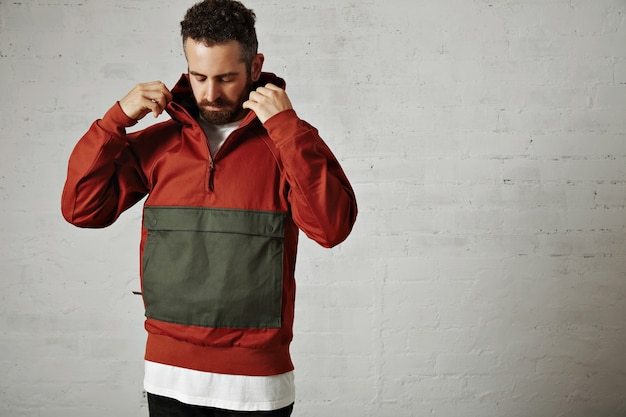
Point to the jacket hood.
(183, 107)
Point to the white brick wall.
(486, 141)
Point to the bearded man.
(231, 178)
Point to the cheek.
(236, 93)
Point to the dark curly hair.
(218, 21)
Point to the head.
(220, 45)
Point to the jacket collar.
(183, 107)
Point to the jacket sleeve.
(322, 201)
(103, 176)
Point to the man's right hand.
(146, 98)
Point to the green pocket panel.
(213, 267)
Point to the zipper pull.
(211, 172)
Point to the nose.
(213, 91)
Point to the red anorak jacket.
(219, 232)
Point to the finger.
(257, 96)
(165, 92)
(155, 108)
(263, 93)
(273, 87)
(154, 87)
(268, 91)
(249, 104)
(159, 99)
(155, 105)
(157, 92)
(168, 95)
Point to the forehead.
(215, 59)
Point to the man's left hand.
(268, 101)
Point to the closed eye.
(221, 78)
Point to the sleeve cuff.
(115, 119)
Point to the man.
(230, 180)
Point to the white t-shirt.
(217, 134)
(228, 392)
(208, 389)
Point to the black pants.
(169, 407)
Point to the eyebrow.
(226, 74)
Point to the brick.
(619, 72)
(467, 364)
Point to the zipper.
(247, 120)
(211, 171)
(212, 162)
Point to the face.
(221, 81)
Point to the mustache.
(218, 103)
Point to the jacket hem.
(223, 360)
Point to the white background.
(485, 140)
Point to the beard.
(230, 111)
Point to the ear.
(257, 66)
